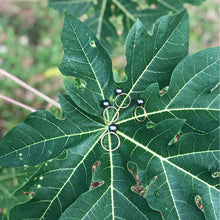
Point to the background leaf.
(105, 15)
(74, 7)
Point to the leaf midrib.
(54, 138)
(93, 71)
(169, 111)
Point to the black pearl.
(113, 128)
(140, 101)
(105, 103)
(118, 91)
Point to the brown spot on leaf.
(198, 201)
(94, 167)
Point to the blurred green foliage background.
(31, 49)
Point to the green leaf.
(42, 137)
(101, 25)
(104, 15)
(75, 7)
(11, 179)
(174, 5)
(179, 175)
(153, 58)
(193, 93)
(84, 54)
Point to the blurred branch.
(17, 103)
(26, 86)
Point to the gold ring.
(110, 107)
(126, 96)
(119, 142)
(135, 113)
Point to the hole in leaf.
(216, 174)
(99, 183)
(150, 124)
(92, 43)
(198, 201)
(29, 194)
(138, 187)
(163, 91)
(153, 6)
(76, 82)
(176, 138)
(119, 75)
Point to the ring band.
(135, 113)
(110, 107)
(126, 96)
(119, 142)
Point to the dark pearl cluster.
(105, 103)
(140, 101)
(113, 128)
(118, 91)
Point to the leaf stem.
(17, 103)
(101, 19)
(26, 86)
(124, 10)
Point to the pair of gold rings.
(107, 106)
(112, 127)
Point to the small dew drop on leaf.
(40, 178)
(92, 43)
(20, 155)
(38, 186)
(216, 174)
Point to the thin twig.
(26, 86)
(17, 103)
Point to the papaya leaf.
(174, 152)
(83, 53)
